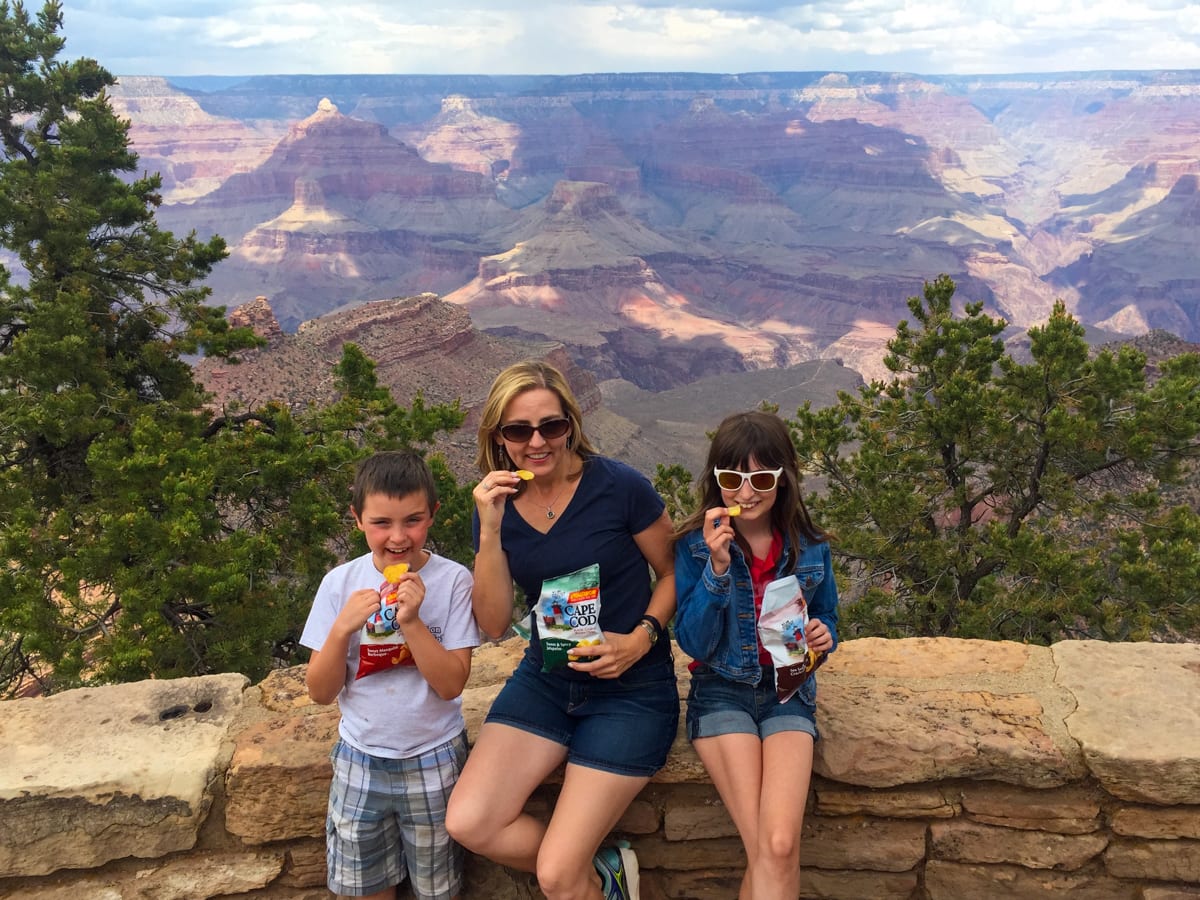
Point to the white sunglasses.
(762, 481)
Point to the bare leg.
(734, 763)
(588, 807)
(486, 810)
(786, 773)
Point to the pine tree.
(143, 533)
(974, 495)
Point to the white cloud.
(167, 37)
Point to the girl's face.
(538, 454)
(756, 505)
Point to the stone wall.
(947, 770)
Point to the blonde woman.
(610, 713)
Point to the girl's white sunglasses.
(762, 481)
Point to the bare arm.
(326, 673)
(492, 595)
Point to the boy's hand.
(360, 606)
(410, 594)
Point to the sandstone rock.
(258, 316)
(896, 803)
(1156, 822)
(971, 842)
(698, 821)
(131, 775)
(908, 711)
(184, 877)
(1172, 860)
(858, 842)
(1069, 810)
(825, 884)
(278, 779)
(958, 881)
(1136, 755)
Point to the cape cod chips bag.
(568, 615)
(781, 630)
(381, 645)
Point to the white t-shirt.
(394, 713)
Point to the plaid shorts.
(387, 818)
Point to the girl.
(758, 751)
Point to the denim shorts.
(719, 706)
(621, 725)
(387, 818)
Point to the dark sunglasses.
(762, 481)
(519, 432)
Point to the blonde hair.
(517, 379)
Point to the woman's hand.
(718, 534)
(614, 656)
(491, 494)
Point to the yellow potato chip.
(393, 573)
(524, 474)
(735, 510)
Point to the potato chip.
(393, 573)
(735, 510)
(524, 474)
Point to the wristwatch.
(650, 630)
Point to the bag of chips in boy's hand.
(567, 615)
(781, 630)
(381, 645)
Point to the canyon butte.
(668, 228)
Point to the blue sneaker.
(618, 868)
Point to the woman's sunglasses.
(519, 432)
(762, 481)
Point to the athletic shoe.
(618, 868)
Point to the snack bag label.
(781, 630)
(568, 615)
(381, 644)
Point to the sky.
(537, 37)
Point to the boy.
(402, 738)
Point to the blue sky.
(219, 37)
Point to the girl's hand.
(491, 494)
(718, 533)
(817, 634)
(611, 658)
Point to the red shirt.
(762, 573)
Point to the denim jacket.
(715, 621)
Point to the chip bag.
(381, 645)
(781, 630)
(568, 615)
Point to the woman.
(611, 711)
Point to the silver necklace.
(550, 508)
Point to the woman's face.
(756, 505)
(538, 454)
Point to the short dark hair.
(393, 473)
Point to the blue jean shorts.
(387, 818)
(622, 725)
(719, 706)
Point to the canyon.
(668, 227)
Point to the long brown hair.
(765, 437)
(517, 379)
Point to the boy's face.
(395, 528)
